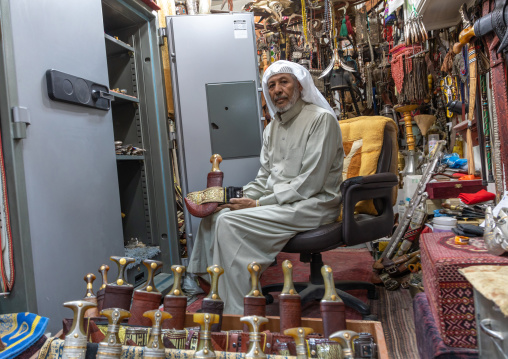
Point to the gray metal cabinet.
(216, 93)
(66, 187)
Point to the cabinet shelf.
(129, 157)
(121, 98)
(115, 47)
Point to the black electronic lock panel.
(69, 88)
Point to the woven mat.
(395, 311)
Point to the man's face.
(283, 89)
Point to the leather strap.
(498, 71)
(235, 342)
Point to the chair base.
(309, 292)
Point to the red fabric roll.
(480, 196)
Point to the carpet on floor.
(395, 311)
(346, 263)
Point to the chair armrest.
(367, 228)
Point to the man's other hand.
(240, 203)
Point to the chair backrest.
(370, 147)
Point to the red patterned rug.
(347, 263)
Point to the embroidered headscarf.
(310, 93)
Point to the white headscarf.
(310, 93)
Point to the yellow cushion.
(362, 138)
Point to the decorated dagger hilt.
(290, 305)
(89, 279)
(299, 334)
(215, 272)
(154, 349)
(76, 338)
(90, 296)
(175, 302)
(204, 348)
(332, 307)
(213, 303)
(254, 303)
(215, 160)
(111, 346)
(345, 339)
(254, 323)
(255, 272)
(103, 270)
(122, 263)
(119, 293)
(178, 272)
(151, 266)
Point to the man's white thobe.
(298, 190)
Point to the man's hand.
(239, 203)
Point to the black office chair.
(352, 230)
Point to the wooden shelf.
(130, 157)
(116, 47)
(121, 98)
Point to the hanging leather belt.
(498, 69)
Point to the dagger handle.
(204, 348)
(122, 263)
(151, 266)
(255, 272)
(215, 272)
(215, 160)
(115, 317)
(76, 338)
(330, 291)
(89, 279)
(299, 335)
(345, 339)
(103, 270)
(157, 317)
(178, 272)
(254, 323)
(287, 269)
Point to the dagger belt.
(219, 195)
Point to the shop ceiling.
(438, 14)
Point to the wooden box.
(452, 189)
(232, 322)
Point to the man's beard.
(291, 103)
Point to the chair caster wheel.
(269, 298)
(370, 317)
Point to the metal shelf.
(130, 157)
(115, 47)
(121, 98)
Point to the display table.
(450, 294)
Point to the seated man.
(296, 188)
